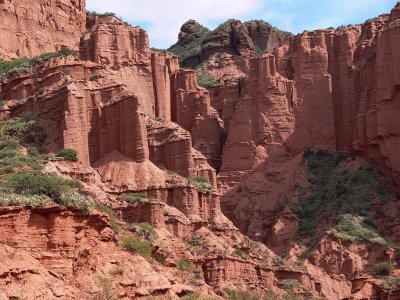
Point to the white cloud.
(164, 17)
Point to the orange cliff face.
(141, 124)
(321, 89)
(31, 28)
(115, 108)
(359, 71)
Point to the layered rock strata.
(31, 28)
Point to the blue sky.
(163, 18)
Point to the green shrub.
(200, 180)
(95, 76)
(144, 229)
(22, 130)
(76, 200)
(351, 228)
(40, 184)
(36, 188)
(335, 189)
(159, 50)
(201, 184)
(383, 268)
(197, 296)
(108, 14)
(205, 80)
(137, 246)
(113, 217)
(160, 119)
(18, 132)
(6, 66)
(133, 197)
(259, 51)
(244, 295)
(289, 284)
(106, 284)
(68, 154)
(239, 253)
(391, 283)
(23, 65)
(184, 265)
(278, 261)
(40, 90)
(196, 240)
(12, 199)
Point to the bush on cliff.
(383, 268)
(249, 295)
(12, 199)
(205, 80)
(335, 189)
(196, 296)
(391, 283)
(20, 141)
(38, 188)
(352, 228)
(133, 197)
(184, 265)
(68, 154)
(201, 183)
(144, 229)
(51, 185)
(136, 245)
(22, 65)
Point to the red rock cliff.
(31, 28)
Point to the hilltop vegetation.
(343, 192)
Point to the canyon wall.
(357, 75)
(334, 89)
(141, 124)
(31, 28)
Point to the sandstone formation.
(325, 105)
(125, 142)
(31, 28)
(208, 178)
(265, 37)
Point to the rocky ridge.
(162, 156)
(197, 43)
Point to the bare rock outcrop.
(355, 86)
(144, 128)
(31, 28)
(266, 37)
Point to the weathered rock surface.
(53, 253)
(141, 124)
(361, 90)
(264, 36)
(197, 44)
(331, 95)
(191, 31)
(31, 28)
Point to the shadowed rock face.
(196, 43)
(141, 124)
